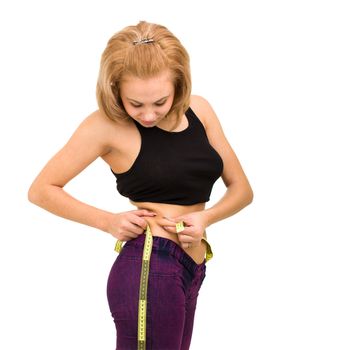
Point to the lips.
(148, 123)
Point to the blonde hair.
(127, 52)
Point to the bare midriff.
(197, 253)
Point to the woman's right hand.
(128, 225)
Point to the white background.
(277, 74)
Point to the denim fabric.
(174, 283)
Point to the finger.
(166, 222)
(131, 235)
(179, 219)
(188, 230)
(179, 226)
(183, 221)
(144, 212)
(126, 236)
(185, 239)
(135, 229)
(170, 229)
(179, 230)
(189, 244)
(186, 245)
(139, 221)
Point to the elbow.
(41, 194)
(247, 195)
(250, 196)
(247, 198)
(33, 194)
(37, 194)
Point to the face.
(149, 100)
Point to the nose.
(150, 116)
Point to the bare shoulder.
(233, 172)
(101, 130)
(98, 124)
(91, 139)
(204, 111)
(199, 101)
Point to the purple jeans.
(174, 283)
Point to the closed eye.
(160, 103)
(135, 106)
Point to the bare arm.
(87, 143)
(239, 192)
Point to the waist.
(172, 211)
(169, 209)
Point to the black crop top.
(172, 167)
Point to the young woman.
(166, 149)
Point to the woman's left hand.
(194, 228)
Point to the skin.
(148, 102)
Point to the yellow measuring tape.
(142, 317)
(142, 309)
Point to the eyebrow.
(132, 100)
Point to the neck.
(170, 122)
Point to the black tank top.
(172, 167)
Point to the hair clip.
(143, 41)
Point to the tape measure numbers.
(179, 227)
(142, 316)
